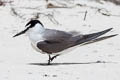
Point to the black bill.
(22, 32)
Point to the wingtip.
(109, 29)
(105, 31)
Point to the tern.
(52, 41)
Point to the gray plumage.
(57, 41)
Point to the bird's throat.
(35, 34)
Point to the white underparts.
(35, 35)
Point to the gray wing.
(88, 37)
(59, 43)
(49, 46)
(55, 41)
(55, 35)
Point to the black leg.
(49, 60)
(54, 57)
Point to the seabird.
(52, 41)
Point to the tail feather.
(99, 39)
(89, 37)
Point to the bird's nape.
(33, 22)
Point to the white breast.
(35, 35)
(34, 38)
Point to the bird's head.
(33, 24)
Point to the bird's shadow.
(66, 63)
